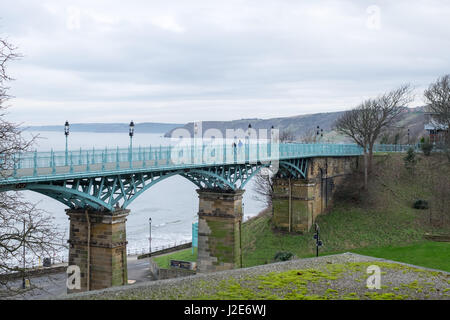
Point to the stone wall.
(219, 230)
(292, 204)
(297, 202)
(108, 258)
(174, 273)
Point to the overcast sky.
(179, 61)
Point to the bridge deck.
(45, 166)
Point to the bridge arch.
(294, 168)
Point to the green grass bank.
(379, 222)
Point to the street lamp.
(248, 141)
(131, 133)
(319, 242)
(195, 129)
(66, 133)
(150, 238)
(194, 151)
(270, 141)
(319, 131)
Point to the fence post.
(18, 162)
(257, 150)
(71, 163)
(14, 165)
(143, 159)
(35, 163)
(53, 162)
(130, 155)
(224, 151)
(117, 158)
(169, 153)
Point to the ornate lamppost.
(66, 133)
(319, 131)
(131, 133)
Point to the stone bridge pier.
(297, 202)
(97, 245)
(219, 230)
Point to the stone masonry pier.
(97, 245)
(297, 202)
(219, 230)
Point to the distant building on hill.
(436, 131)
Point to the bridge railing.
(396, 147)
(318, 149)
(191, 154)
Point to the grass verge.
(428, 254)
(184, 255)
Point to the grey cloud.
(296, 53)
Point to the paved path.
(52, 285)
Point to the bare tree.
(309, 137)
(263, 183)
(365, 123)
(263, 187)
(287, 136)
(25, 232)
(438, 98)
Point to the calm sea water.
(172, 203)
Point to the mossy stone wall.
(219, 235)
(108, 256)
(297, 202)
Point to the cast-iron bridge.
(112, 178)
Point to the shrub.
(426, 146)
(410, 159)
(421, 204)
(283, 256)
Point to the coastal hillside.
(380, 221)
(304, 126)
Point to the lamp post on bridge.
(66, 133)
(248, 141)
(194, 151)
(131, 133)
(271, 140)
(319, 131)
